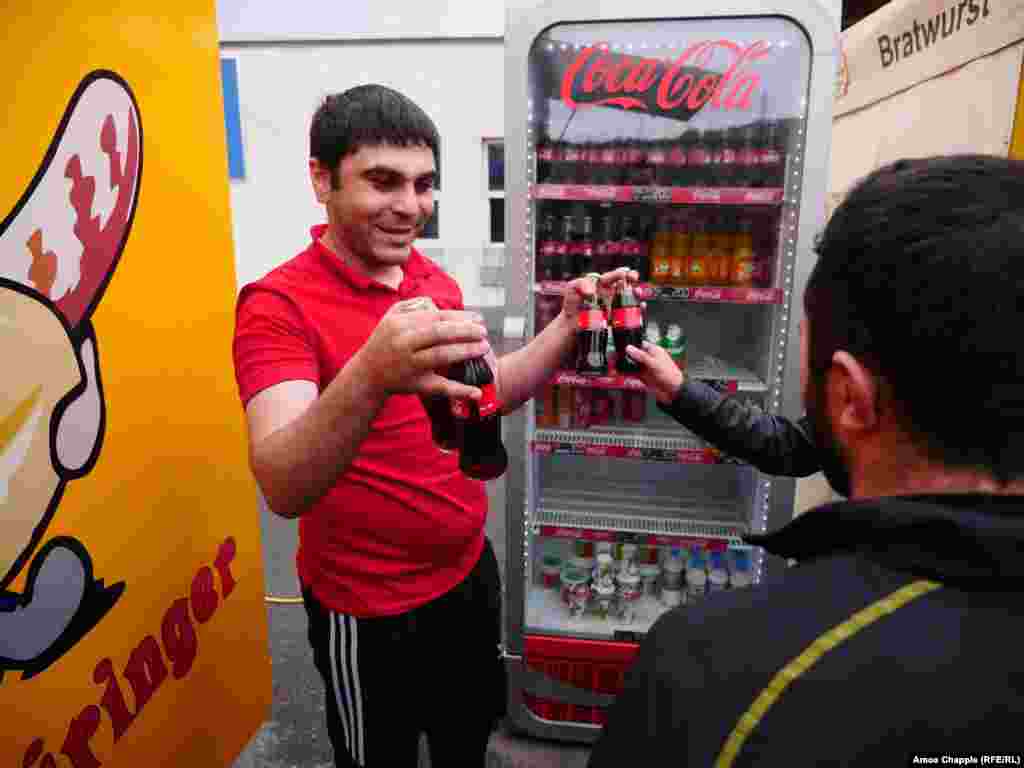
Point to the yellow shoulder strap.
(809, 657)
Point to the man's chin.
(393, 254)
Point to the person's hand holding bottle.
(658, 371)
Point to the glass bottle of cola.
(627, 327)
(546, 250)
(482, 455)
(592, 335)
(442, 422)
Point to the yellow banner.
(132, 625)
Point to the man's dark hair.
(920, 276)
(367, 115)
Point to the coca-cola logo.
(679, 88)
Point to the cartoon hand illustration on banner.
(59, 248)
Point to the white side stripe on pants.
(354, 667)
(348, 696)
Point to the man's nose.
(406, 201)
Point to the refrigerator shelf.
(666, 531)
(627, 445)
(696, 294)
(718, 373)
(545, 611)
(597, 193)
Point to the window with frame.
(492, 270)
(494, 158)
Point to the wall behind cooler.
(457, 81)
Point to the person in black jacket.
(774, 444)
(895, 640)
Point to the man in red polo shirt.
(401, 586)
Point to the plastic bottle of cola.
(482, 455)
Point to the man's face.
(384, 197)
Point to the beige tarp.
(920, 78)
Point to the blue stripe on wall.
(232, 118)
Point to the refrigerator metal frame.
(525, 21)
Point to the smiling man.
(401, 586)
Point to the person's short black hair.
(920, 276)
(367, 115)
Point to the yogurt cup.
(629, 554)
(718, 580)
(629, 595)
(604, 592)
(696, 583)
(671, 596)
(551, 571)
(649, 577)
(571, 577)
(672, 572)
(579, 596)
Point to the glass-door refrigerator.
(689, 143)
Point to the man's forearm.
(526, 370)
(773, 444)
(300, 462)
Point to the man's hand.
(408, 346)
(581, 287)
(659, 371)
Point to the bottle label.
(608, 156)
(769, 157)
(729, 156)
(627, 317)
(662, 268)
(591, 320)
(634, 156)
(698, 156)
(632, 248)
(677, 157)
(656, 158)
(743, 271)
(697, 268)
(546, 153)
(461, 407)
(547, 248)
(571, 155)
(560, 248)
(489, 403)
(747, 156)
(613, 248)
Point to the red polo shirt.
(402, 525)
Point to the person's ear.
(320, 176)
(852, 398)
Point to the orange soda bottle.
(679, 252)
(721, 247)
(743, 255)
(661, 267)
(699, 252)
